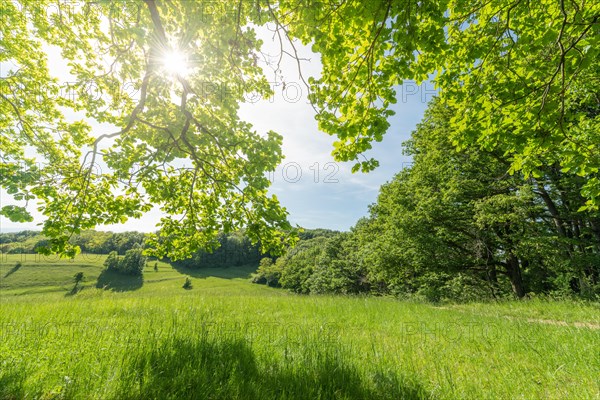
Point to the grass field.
(226, 338)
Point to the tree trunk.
(552, 209)
(513, 268)
(492, 279)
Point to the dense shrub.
(321, 264)
(112, 262)
(268, 273)
(343, 262)
(132, 263)
(79, 276)
(298, 264)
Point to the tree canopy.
(521, 77)
(458, 213)
(175, 145)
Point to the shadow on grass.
(76, 289)
(12, 382)
(13, 270)
(111, 280)
(228, 369)
(217, 272)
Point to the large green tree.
(460, 214)
(176, 140)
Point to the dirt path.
(562, 323)
(576, 324)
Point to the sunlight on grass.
(227, 338)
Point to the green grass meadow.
(226, 338)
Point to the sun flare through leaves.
(176, 63)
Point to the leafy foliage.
(521, 76)
(187, 285)
(112, 262)
(228, 250)
(321, 264)
(174, 144)
(460, 215)
(132, 263)
(90, 242)
(267, 273)
(78, 277)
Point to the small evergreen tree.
(188, 284)
(78, 277)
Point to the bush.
(339, 268)
(459, 287)
(132, 263)
(268, 273)
(323, 264)
(298, 264)
(226, 250)
(188, 284)
(334, 277)
(112, 262)
(76, 288)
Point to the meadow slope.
(229, 339)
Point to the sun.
(176, 63)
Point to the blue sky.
(334, 198)
(316, 190)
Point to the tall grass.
(229, 339)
